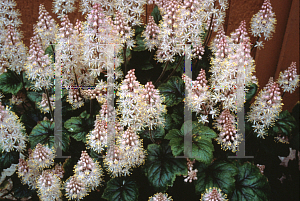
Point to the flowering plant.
(81, 119)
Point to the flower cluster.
(232, 68)
(14, 51)
(97, 138)
(17, 99)
(261, 168)
(228, 137)
(186, 22)
(9, 16)
(289, 80)
(88, 175)
(139, 106)
(12, 131)
(154, 107)
(197, 98)
(132, 10)
(46, 28)
(151, 34)
(69, 54)
(160, 197)
(28, 172)
(124, 29)
(98, 93)
(31, 172)
(102, 42)
(213, 194)
(266, 108)
(74, 98)
(192, 174)
(88, 171)
(167, 36)
(49, 186)
(130, 105)
(75, 188)
(62, 7)
(127, 154)
(43, 156)
(264, 21)
(39, 68)
(87, 5)
(44, 106)
(58, 170)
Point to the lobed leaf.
(218, 174)
(161, 167)
(250, 184)
(173, 91)
(202, 147)
(121, 189)
(9, 83)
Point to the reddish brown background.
(276, 56)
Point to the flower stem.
(125, 63)
(151, 137)
(76, 81)
(178, 64)
(162, 73)
(207, 38)
(255, 43)
(48, 99)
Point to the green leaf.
(161, 167)
(173, 91)
(79, 126)
(168, 122)
(139, 29)
(84, 115)
(250, 184)
(284, 125)
(157, 133)
(121, 189)
(74, 124)
(178, 115)
(173, 65)
(251, 92)
(202, 147)
(294, 142)
(50, 52)
(8, 158)
(35, 97)
(218, 174)
(20, 190)
(42, 133)
(156, 15)
(9, 83)
(140, 44)
(26, 81)
(30, 119)
(147, 66)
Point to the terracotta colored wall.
(276, 56)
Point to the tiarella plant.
(123, 133)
